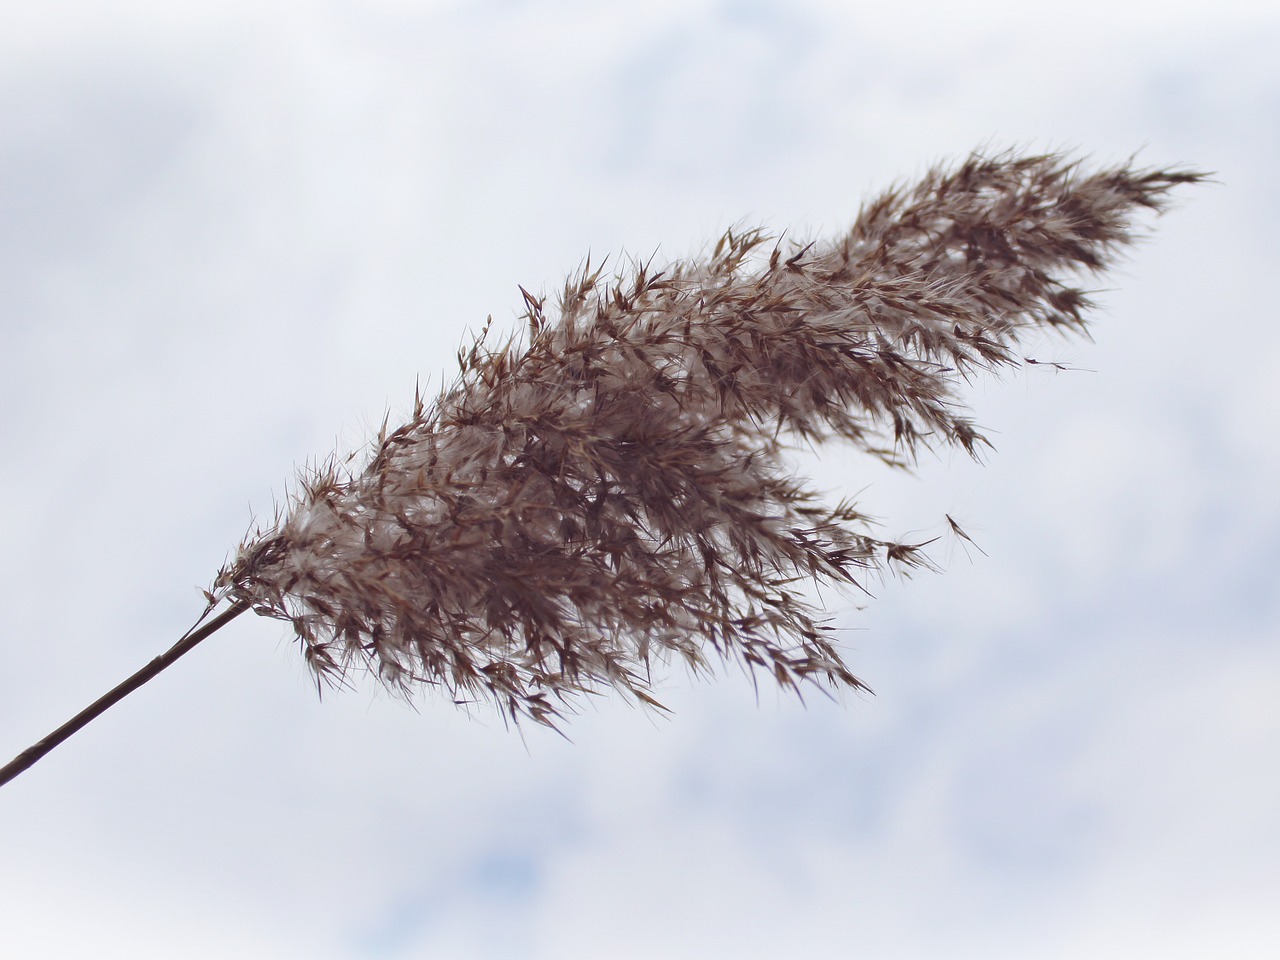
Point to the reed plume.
(608, 488)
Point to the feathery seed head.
(613, 490)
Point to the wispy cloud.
(248, 228)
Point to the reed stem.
(188, 642)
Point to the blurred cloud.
(232, 235)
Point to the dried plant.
(609, 488)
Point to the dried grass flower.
(609, 488)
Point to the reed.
(607, 489)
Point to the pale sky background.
(233, 234)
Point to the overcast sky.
(233, 235)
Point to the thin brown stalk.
(184, 646)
